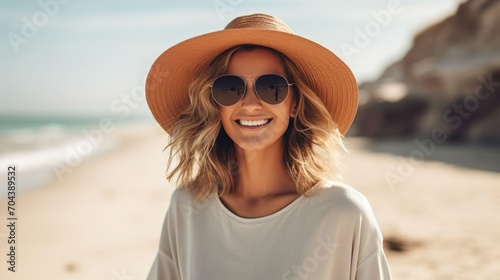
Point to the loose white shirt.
(331, 235)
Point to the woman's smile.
(253, 123)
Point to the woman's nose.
(251, 101)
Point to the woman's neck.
(262, 174)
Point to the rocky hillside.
(448, 84)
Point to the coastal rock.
(449, 79)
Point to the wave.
(46, 152)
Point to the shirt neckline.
(280, 212)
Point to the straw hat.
(173, 71)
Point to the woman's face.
(236, 119)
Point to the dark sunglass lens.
(272, 89)
(228, 90)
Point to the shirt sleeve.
(374, 267)
(372, 263)
(163, 268)
(165, 264)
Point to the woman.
(256, 117)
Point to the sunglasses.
(227, 90)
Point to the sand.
(103, 220)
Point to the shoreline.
(61, 151)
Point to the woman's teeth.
(253, 123)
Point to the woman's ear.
(293, 111)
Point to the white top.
(330, 235)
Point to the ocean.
(46, 149)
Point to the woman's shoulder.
(340, 196)
(182, 198)
(336, 190)
(180, 194)
(341, 203)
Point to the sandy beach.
(103, 220)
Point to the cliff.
(448, 82)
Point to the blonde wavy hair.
(203, 155)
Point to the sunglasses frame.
(245, 90)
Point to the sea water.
(47, 149)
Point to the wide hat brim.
(326, 74)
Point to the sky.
(89, 58)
